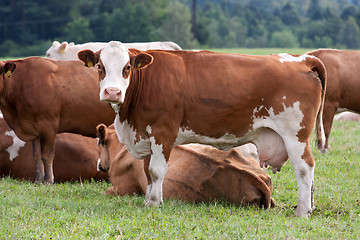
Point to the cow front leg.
(157, 170)
(39, 175)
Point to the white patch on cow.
(97, 165)
(287, 124)
(138, 148)
(284, 97)
(114, 57)
(157, 170)
(285, 57)
(1, 115)
(13, 150)
(227, 141)
(148, 129)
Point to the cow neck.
(132, 96)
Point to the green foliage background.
(29, 27)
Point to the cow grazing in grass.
(68, 51)
(76, 157)
(167, 98)
(343, 87)
(41, 97)
(196, 173)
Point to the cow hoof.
(151, 203)
(37, 181)
(302, 214)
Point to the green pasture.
(80, 210)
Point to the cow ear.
(63, 46)
(55, 44)
(101, 130)
(89, 57)
(8, 69)
(142, 60)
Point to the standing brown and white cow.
(196, 173)
(343, 87)
(167, 98)
(43, 97)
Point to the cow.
(196, 173)
(347, 116)
(68, 51)
(343, 85)
(76, 157)
(42, 97)
(168, 98)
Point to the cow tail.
(317, 66)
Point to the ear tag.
(139, 65)
(8, 73)
(90, 64)
(62, 50)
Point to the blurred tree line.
(29, 27)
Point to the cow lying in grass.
(76, 157)
(196, 173)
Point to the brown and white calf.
(343, 84)
(196, 173)
(76, 157)
(41, 97)
(168, 98)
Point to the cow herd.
(143, 100)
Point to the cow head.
(57, 50)
(115, 64)
(102, 135)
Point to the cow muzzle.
(112, 95)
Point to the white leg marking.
(304, 176)
(157, 170)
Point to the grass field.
(82, 211)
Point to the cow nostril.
(112, 94)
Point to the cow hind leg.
(303, 164)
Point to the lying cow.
(68, 51)
(347, 116)
(76, 157)
(168, 98)
(43, 97)
(343, 84)
(195, 173)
